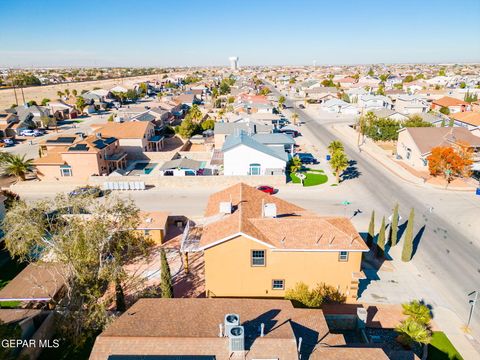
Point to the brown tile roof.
(348, 353)
(449, 101)
(52, 158)
(16, 315)
(293, 228)
(153, 219)
(469, 117)
(427, 138)
(38, 281)
(125, 130)
(190, 326)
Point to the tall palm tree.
(335, 146)
(338, 162)
(16, 165)
(294, 118)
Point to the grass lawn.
(9, 304)
(441, 348)
(314, 177)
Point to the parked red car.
(266, 189)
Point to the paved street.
(447, 258)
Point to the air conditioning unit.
(236, 339)
(225, 207)
(270, 210)
(230, 321)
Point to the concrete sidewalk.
(346, 133)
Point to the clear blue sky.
(189, 32)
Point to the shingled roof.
(292, 228)
(190, 326)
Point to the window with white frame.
(343, 256)
(254, 169)
(278, 284)
(65, 171)
(258, 257)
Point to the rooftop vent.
(225, 207)
(270, 210)
(231, 321)
(236, 338)
(98, 135)
(148, 220)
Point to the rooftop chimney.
(270, 210)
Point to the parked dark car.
(266, 189)
(291, 132)
(301, 106)
(307, 158)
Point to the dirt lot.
(37, 93)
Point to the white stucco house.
(337, 106)
(372, 102)
(243, 155)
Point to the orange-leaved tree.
(450, 162)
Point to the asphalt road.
(445, 256)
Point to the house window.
(343, 256)
(146, 232)
(278, 284)
(258, 257)
(65, 171)
(254, 169)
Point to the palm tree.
(338, 162)
(16, 165)
(67, 92)
(74, 92)
(294, 118)
(418, 311)
(295, 164)
(411, 331)
(335, 146)
(59, 93)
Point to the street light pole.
(472, 306)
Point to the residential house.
(346, 82)
(153, 225)
(223, 129)
(410, 104)
(390, 114)
(322, 94)
(243, 155)
(258, 245)
(453, 104)
(182, 167)
(469, 120)
(224, 329)
(74, 157)
(414, 145)
(355, 93)
(188, 99)
(135, 137)
(61, 110)
(338, 106)
(372, 102)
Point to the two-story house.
(257, 245)
(135, 137)
(75, 157)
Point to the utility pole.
(472, 306)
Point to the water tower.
(233, 62)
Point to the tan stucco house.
(257, 245)
(75, 157)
